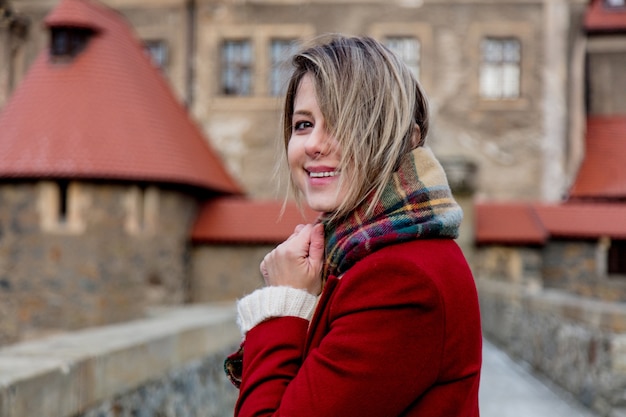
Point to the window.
(142, 204)
(67, 42)
(60, 206)
(236, 68)
(408, 48)
(251, 62)
(500, 70)
(62, 201)
(280, 52)
(615, 3)
(157, 51)
(617, 257)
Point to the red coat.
(398, 335)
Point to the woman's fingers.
(297, 262)
(296, 231)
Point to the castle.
(168, 206)
(109, 189)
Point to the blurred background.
(138, 146)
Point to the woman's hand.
(297, 262)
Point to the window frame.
(240, 67)
(523, 32)
(414, 66)
(279, 65)
(60, 206)
(611, 6)
(209, 70)
(162, 63)
(142, 208)
(616, 258)
(67, 42)
(423, 33)
(498, 67)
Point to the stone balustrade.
(578, 342)
(169, 364)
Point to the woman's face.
(313, 154)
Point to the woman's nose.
(317, 143)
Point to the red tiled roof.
(526, 223)
(108, 114)
(584, 220)
(77, 14)
(239, 220)
(603, 171)
(601, 18)
(513, 223)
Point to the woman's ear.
(416, 137)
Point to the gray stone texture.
(225, 272)
(199, 389)
(578, 342)
(54, 281)
(167, 365)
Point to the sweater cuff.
(271, 301)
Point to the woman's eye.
(302, 125)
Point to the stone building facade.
(517, 132)
(503, 78)
(97, 203)
(100, 266)
(552, 278)
(14, 30)
(513, 84)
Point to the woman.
(373, 310)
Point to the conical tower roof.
(106, 113)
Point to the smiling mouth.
(323, 174)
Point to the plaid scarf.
(416, 204)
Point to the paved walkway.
(509, 389)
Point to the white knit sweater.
(270, 302)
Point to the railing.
(169, 364)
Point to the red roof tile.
(239, 220)
(76, 14)
(603, 171)
(108, 114)
(509, 223)
(602, 18)
(525, 223)
(584, 220)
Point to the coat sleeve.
(382, 349)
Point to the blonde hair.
(371, 104)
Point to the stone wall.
(509, 152)
(168, 365)
(577, 342)
(246, 129)
(607, 58)
(565, 262)
(577, 266)
(14, 30)
(513, 264)
(95, 267)
(225, 272)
